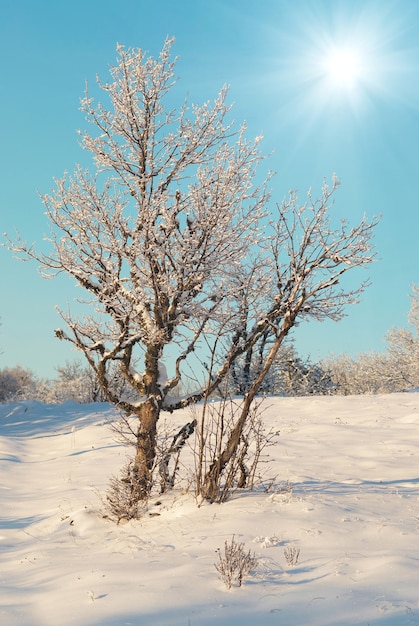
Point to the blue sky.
(274, 55)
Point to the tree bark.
(148, 415)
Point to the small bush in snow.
(291, 555)
(234, 564)
(122, 501)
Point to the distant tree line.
(396, 369)
(73, 382)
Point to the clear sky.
(333, 85)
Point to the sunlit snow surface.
(345, 492)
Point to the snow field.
(345, 494)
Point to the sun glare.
(343, 67)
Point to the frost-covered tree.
(403, 348)
(295, 376)
(169, 238)
(289, 375)
(396, 369)
(17, 383)
(73, 382)
(364, 373)
(78, 383)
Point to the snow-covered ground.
(346, 495)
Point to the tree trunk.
(211, 486)
(148, 415)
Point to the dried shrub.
(122, 502)
(291, 555)
(234, 564)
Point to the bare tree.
(170, 239)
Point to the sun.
(343, 67)
(343, 64)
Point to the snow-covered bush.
(18, 383)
